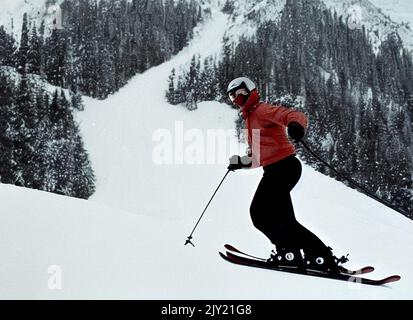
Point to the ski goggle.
(234, 94)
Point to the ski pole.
(188, 240)
(353, 182)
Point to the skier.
(271, 209)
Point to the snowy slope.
(398, 10)
(11, 14)
(127, 241)
(247, 17)
(378, 24)
(119, 131)
(381, 17)
(161, 203)
(108, 253)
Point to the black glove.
(236, 162)
(295, 131)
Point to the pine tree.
(24, 46)
(56, 50)
(34, 53)
(76, 100)
(40, 143)
(207, 82)
(84, 179)
(22, 127)
(105, 72)
(171, 93)
(227, 67)
(7, 48)
(192, 84)
(6, 144)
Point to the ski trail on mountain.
(118, 132)
(118, 135)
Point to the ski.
(233, 249)
(343, 270)
(343, 277)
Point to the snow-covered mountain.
(398, 10)
(11, 14)
(247, 17)
(380, 18)
(127, 241)
(378, 24)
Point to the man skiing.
(271, 209)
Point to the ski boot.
(287, 258)
(326, 262)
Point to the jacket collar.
(251, 104)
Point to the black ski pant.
(272, 210)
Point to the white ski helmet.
(241, 82)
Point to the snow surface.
(379, 23)
(11, 14)
(127, 241)
(244, 19)
(398, 10)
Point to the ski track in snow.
(119, 130)
(127, 241)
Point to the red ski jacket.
(267, 134)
